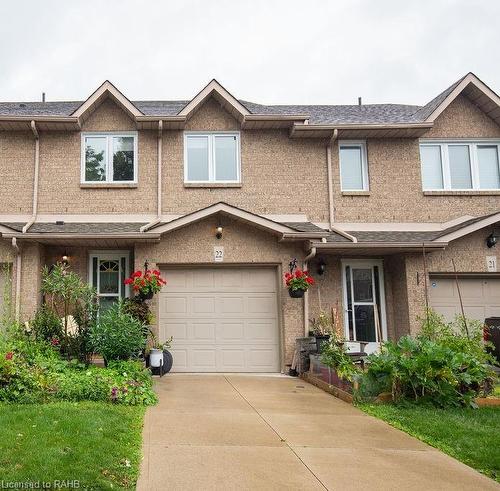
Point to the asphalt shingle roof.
(318, 114)
(77, 227)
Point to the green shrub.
(446, 364)
(47, 325)
(33, 372)
(334, 355)
(117, 335)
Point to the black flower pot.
(296, 293)
(320, 341)
(168, 360)
(145, 296)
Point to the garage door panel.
(480, 297)
(221, 319)
(202, 359)
(262, 304)
(178, 330)
(202, 304)
(231, 305)
(258, 331)
(204, 331)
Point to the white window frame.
(109, 135)
(445, 162)
(211, 135)
(112, 256)
(364, 163)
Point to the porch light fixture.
(65, 259)
(218, 232)
(321, 267)
(491, 240)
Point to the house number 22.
(218, 254)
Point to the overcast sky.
(268, 51)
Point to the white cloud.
(269, 51)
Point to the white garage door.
(480, 296)
(221, 319)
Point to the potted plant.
(341, 367)
(146, 284)
(298, 282)
(325, 327)
(159, 354)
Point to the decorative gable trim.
(226, 99)
(469, 229)
(106, 90)
(258, 221)
(479, 94)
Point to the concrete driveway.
(274, 432)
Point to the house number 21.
(218, 254)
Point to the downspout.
(18, 278)
(159, 190)
(35, 178)
(331, 207)
(311, 255)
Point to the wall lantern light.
(321, 267)
(65, 259)
(491, 240)
(218, 232)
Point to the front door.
(107, 273)
(364, 302)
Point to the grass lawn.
(469, 435)
(96, 443)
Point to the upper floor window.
(109, 157)
(211, 157)
(353, 166)
(460, 165)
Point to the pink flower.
(9, 355)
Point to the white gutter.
(159, 189)
(311, 255)
(35, 178)
(18, 277)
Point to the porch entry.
(364, 302)
(107, 272)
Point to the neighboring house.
(364, 190)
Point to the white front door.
(364, 302)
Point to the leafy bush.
(334, 355)
(445, 364)
(72, 301)
(46, 325)
(118, 335)
(138, 309)
(33, 372)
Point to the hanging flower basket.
(298, 283)
(299, 293)
(146, 284)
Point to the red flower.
(9, 355)
(54, 342)
(310, 280)
(156, 272)
(137, 274)
(128, 281)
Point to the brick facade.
(280, 175)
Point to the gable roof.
(286, 231)
(224, 97)
(468, 227)
(473, 88)
(106, 90)
(402, 117)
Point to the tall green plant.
(67, 294)
(445, 364)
